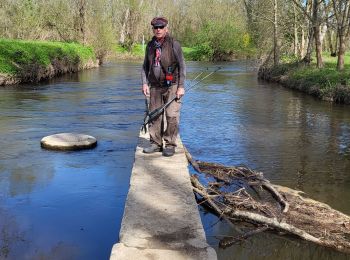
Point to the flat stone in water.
(68, 141)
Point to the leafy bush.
(136, 51)
(217, 41)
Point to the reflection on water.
(295, 140)
(67, 205)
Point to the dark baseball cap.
(159, 21)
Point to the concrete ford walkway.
(161, 218)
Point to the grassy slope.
(15, 54)
(326, 83)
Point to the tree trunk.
(123, 30)
(323, 32)
(276, 54)
(330, 42)
(250, 20)
(310, 35)
(330, 39)
(317, 33)
(336, 43)
(307, 58)
(318, 43)
(296, 40)
(342, 15)
(341, 53)
(303, 42)
(82, 20)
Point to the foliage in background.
(218, 41)
(210, 30)
(105, 23)
(216, 29)
(138, 52)
(135, 52)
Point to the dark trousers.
(158, 97)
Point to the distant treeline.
(217, 29)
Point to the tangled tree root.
(241, 194)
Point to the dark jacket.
(171, 56)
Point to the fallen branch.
(252, 217)
(191, 161)
(266, 185)
(241, 194)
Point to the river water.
(294, 139)
(69, 205)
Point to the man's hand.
(180, 92)
(145, 90)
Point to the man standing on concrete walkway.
(163, 77)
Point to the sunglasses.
(158, 27)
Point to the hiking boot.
(152, 149)
(169, 151)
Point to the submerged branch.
(241, 194)
(226, 242)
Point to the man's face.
(159, 31)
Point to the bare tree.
(296, 38)
(81, 19)
(262, 23)
(342, 13)
(315, 18)
(317, 32)
(276, 41)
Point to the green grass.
(197, 53)
(138, 52)
(325, 78)
(14, 54)
(119, 49)
(331, 62)
(326, 83)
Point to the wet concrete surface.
(161, 218)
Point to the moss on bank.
(327, 83)
(32, 61)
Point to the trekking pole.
(158, 111)
(144, 128)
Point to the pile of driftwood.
(241, 194)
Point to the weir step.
(161, 218)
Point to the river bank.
(33, 61)
(326, 84)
